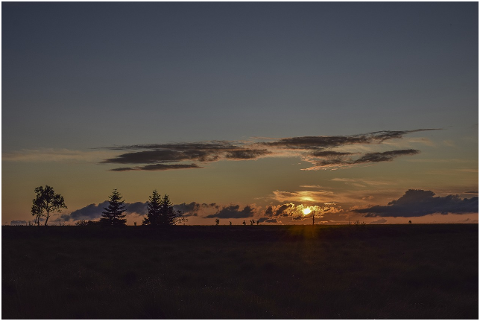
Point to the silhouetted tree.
(154, 210)
(160, 211)
(46, 202)
(114, 213)
(217, 221)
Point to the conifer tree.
(168, 213)
(154, 207)
(114, 213)
(160, 211)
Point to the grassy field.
(382, 271)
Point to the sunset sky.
(240, 111)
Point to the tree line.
(160, 211)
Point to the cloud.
(303, 197)
(269, 212)
(55, 155)
(321, 142)
(284, 210)
(88, 212)
(202, 152)
(156, 167)
(329, 153)
(407, 142)
(416, 203)
(268, 220)
(449, 143)
(205, 146)
(468, 221)
(193, 208)
(385, 156)
(138, 208)
(311, 186)
(361, 182)
(17, 222)
(317, 150)
(247, 153)
(380, 221)
(295, 211)
(94, 211)
(155, 156)
(334, 161)
(233, 211)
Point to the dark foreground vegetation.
(389, 271)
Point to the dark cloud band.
(156, 167)
(416, 203)
(233, 211)
(385, 156)
(317, 150)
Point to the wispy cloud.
(303, 197)
(311, 186)
(336, 161)
(321, 151)
(56, 155)
(408, 142)
(380, 221)
(360, 182)
(449, 143)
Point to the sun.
(306, 211)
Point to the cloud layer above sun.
(323, 152)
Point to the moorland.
(315, 272)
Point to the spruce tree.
(153, 206)
(160, 211)
(169, 215)
(114, 213)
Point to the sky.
(362, 112)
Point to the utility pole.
(313, 218)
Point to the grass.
(390, 271)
